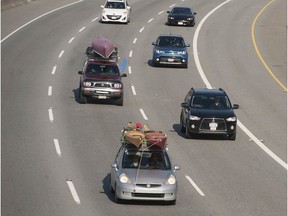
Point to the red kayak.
(103, 47)
(156, 138)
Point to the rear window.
(115, 5)
(210, 102)
(170, 42)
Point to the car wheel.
(119, 101)
(82, 99)
(232, 136)
(187, 133)
(116, 199)
(181, 124)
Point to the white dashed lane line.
(70, 41)
(129, 70)
(141, 29)
(73, 191)
(93, 20)
(143, 114)
(50, 114)
(50, 91)
(54, 70)
(134, 41)
(194, 185)
(150, 20)
(61, 54)
(82, 29)
(133, 90)
(57, 147)
(130, 53)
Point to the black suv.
(208, 111)
(101, 80)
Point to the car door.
(113, 173)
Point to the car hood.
(146, 176)
(173, 49)
(114, 11)
(213, 113)
(102, 77)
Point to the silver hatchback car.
(143, 174)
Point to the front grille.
(152, 195)
(148, 185)
(167, 60)
(207, 124)
(114, 17)
(107, 85)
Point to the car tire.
(188, 135)
(232, 136)
(154, 64)
(119, 101)
(116, 199)
(181, 124)
(82, 99)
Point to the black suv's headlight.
(194, 118)
(231, 119)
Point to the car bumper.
(199, 127)
(170, 60)
(99, 93)
(181, 22)
(114, 18)
(134, 192)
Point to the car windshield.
(181, 11)
(95, 69)
(115, 5)
(147, 159)
(170, 42)
(210, 102)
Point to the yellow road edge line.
(258, 52)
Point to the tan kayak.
(134, 137)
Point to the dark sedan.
(183, 16)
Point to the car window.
(170, 42)
(95, 69)
(210, 102)
(115, 5)
(148, 160)
(181, 11)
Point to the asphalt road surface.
(56, 153)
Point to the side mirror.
(235, 106)
(114, 165)
(184, 105)
(176, 167)
(80, 72)
(168, 11)
(195, 13)
(123, 75)
(153, 43)
(187, 45)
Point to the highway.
(56, 154)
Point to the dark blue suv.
(170, 49)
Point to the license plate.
(180, 23)
(170, 60)
(213, 126)
(102, 97)
(113, 17)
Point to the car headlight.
(88, 84)
(171, 18)
(231, 119)
(194, 118)
(182, 52)
(124, 179)
(190, 18)
(171, 180)
(159, 51)
(117, 85)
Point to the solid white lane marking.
(143, 114)
(195, 186)
(93, 20)
(130, 53)
(133, 90)
(160, 12)
(49, 90)
(129, 70)
(82, 29)
(70, 41)
(134, 41)
(141, 29)
(23, 26)
(150, 20)
(73, 191)
(54, 69)
(57, 147)
(61, 54)
(208, 85)
(50, 114)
